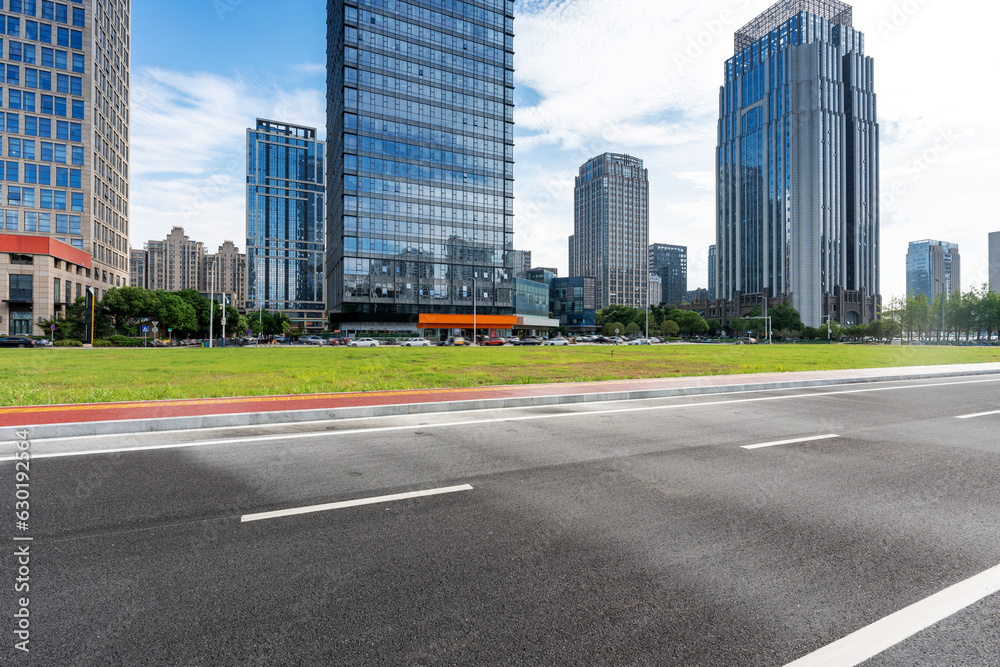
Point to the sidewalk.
(51, 421)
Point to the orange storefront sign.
(437, 321)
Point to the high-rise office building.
(611, 229)
(797, 162)
(933, 267)
(712, 263)
(420, 123)
(994, 261)
(64, 209)
(670, 262)
(286, 231)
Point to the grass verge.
(51, 376)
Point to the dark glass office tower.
(286, 176)
(420, 124)
(797, 163)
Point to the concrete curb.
(120, 427)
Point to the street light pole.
(211, 310)
(474, 295)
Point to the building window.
(21, 288)
(22, 259)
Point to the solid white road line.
(791, 442)
(891, 630)
(352, 503)
(981, 414)
(476, 422)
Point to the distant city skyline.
(191, 107)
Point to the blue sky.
(636, 76)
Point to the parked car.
(747, 340)
(639, 341)
(531, 341)
(311, 340)
(494, 342)
(557, 341)
(21, 341)
(363, 342)
(416, 342)
(513, 340)
(456, 341)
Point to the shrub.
(125, 341)
(68, 342)
(103, 343)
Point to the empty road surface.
(839, 525)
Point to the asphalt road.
(639, 533)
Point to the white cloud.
(189, 149)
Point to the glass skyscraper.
(611, 229)
(64, 141)
(933, 267)
(797, 165)
(286, 235)
(420, 123)
(670, 263)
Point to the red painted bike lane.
(36, 415)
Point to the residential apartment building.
(670, 262)
(611, 229)
(286, 222)
(64, 208)
(175, 263)
(932, 268)
(229, 267)
(655, 290)
(420, 124)
(797, 165)
(137, 268)
(520, 262)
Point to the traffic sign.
(248, 332)
(223, 321)
(145, 328)
(156, 329)
(170, 328)
(52, 327)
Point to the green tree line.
(124, 310)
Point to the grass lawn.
(46, 376)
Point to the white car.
(363, 342)
(416, 342)
(557, 341)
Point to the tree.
(691, 324)
(784, 317)
(670, 328)
(714, 325)
(740, 325)
(632, 329)
(130, 307)
(175, 313)
(613, 329)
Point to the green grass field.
(36, 377)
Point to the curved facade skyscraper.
(798, 165)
